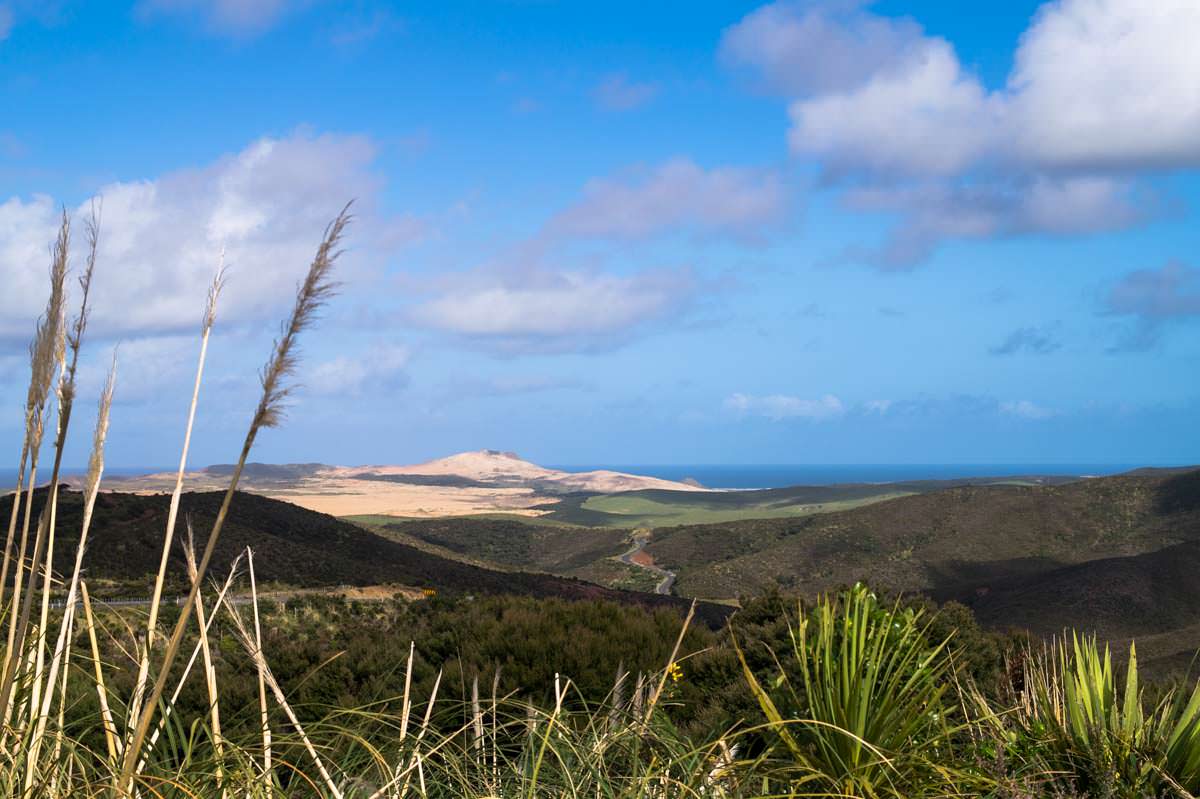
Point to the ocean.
(783, 475)
(771, 475)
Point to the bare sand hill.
(485, 481)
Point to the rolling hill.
(293, 546)
(656, 507)
(943, 542)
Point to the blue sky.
(809, 232)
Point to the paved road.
(640, 539)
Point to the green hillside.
(938, 541)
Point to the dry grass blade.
(210, 315)
(262, 677)
(314, 292)
(264, 669)
(48, 354)
(69, 345)
(187, 670)
(210, 673)
(316, 288)
(42, 360)
(92, 487)
(110, 727)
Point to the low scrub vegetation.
(225, 694)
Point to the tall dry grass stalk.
(66, 401)
(106, 716)
(264, 717)
(316, 288)
(43, 357)
(49, 356)
(254, 649)
(169, 705)
(91, 489)
(206, 325)
(210, 673)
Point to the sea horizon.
(765, 475)
(749, 476)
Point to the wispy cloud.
(1169, 292)
(618, 93)
(1030, 340)
(508, 386)
(1153, 298)
(357, 31)
(676, 195)
(1025, 409)
(238, 18)
(779, 407)
(382, 367)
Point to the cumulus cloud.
(1109, 83)
(923, 117)
(618, 93)
(555, 310)
(231, 17)
(1099, 90)
(778, 407)
(1030, 340)
(676, 195)
(161, 238)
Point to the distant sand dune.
(472, 482)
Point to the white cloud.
(809, 48)
(1025, 409)
(618, 93)
(1109, 84)
(552, 310)
(233, 17)
(673, 196)
(778, 407)
(922, 116)
(1100, 89)
(266, 205)
(1096, 84)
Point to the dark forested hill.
(293, 546)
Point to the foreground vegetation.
(222, 694)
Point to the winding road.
(640, 539)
